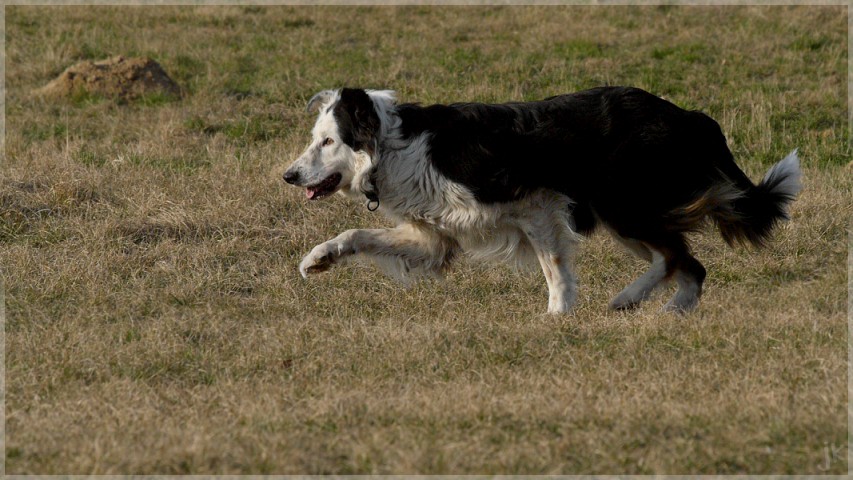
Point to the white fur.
(789, 168)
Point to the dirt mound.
(117, 77)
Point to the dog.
(526, 180)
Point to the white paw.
(560, 305)
(321, 258)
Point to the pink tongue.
(310, 193)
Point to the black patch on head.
(358, 123)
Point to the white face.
(328, 164)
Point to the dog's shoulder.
(416, 119)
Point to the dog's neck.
(371, 190)
(385, 142)
(367, 185)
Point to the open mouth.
(326, 187)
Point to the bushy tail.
(754, 213)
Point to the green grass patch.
(187, 71)
(243, 132)
(298, 23)
(89, 158)
(811, 43)
(131, 335)
(580, 49)
(200, 125)
(253, 9)
(87, 51)
(81, 98)
(154, 99)
(188, 164)
(689, 53)
(254, 129)
(241, 86)
(40, 133)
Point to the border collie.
(519, 181)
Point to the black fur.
(757, 211)
(357, 120)
(600, 147)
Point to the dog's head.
(344, 140)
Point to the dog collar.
(372, 201)
(372, 196)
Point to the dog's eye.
(326, 142)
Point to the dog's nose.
(291, 177)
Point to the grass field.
(156, 321)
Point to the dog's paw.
(321, 258)
(685, 300)
(681, 306)
(623, 303)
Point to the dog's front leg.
(399, 251)
(554, 245)
(324, 255)
(562, 284)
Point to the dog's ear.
(357, 119)
(320, 99)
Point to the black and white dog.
(519, 181)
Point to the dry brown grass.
(157, 322)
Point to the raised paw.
(321, 258)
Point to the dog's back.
(627, 155)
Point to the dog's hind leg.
(642, 288)
(689, 275)
(636, 247)
(554, 244)
(670, 258)
(687, 271)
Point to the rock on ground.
(117, 77)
